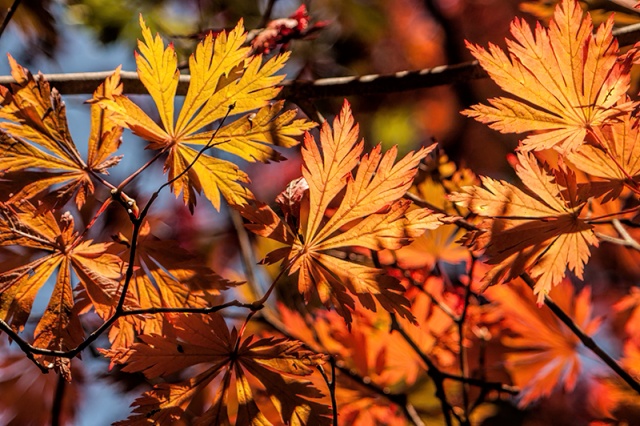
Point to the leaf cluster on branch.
(384, 284)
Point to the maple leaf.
(166, 275)
(98, 273)
(35, 142)
(369, 205)
(269, 365)
(366, 349)
(545, 353)
(538, 230)
(631, 303)
(223, 79)
(543, 10)
(570, 79)
(614, 158)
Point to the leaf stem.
(331, 386)
(142, 168)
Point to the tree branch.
(372, 84)
(584, 338)
(9, 15)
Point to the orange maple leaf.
(223, 79)
(545, 354)
(569, 78)
(366, 349)
(370, 206)
(613, 158)
(36, 146)
(269, 365)
(98, 272)
(538, 230)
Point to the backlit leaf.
(98, 273)
(35, 137)
(370, 213)
(166, 275)
(544, 354)
(616, 162)
(269, 365)
(569, 78)
(224, 80)
(539, 231)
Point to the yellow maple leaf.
(224, 79)
(570, 80)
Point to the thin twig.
(462, 353)
(434, 373)
(629, 240)
(372, 84)
(398, 399)
(331, 386)
(266, 16)
(9, 15)
(142, 168)
(584, 338)
(58, 399)
(618, 241)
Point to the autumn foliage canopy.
(375, 288)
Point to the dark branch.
(84, 83)
(9, 15)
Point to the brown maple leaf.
(271, 366)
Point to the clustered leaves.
(380, 261)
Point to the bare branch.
(84, 83)
(9, 15)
